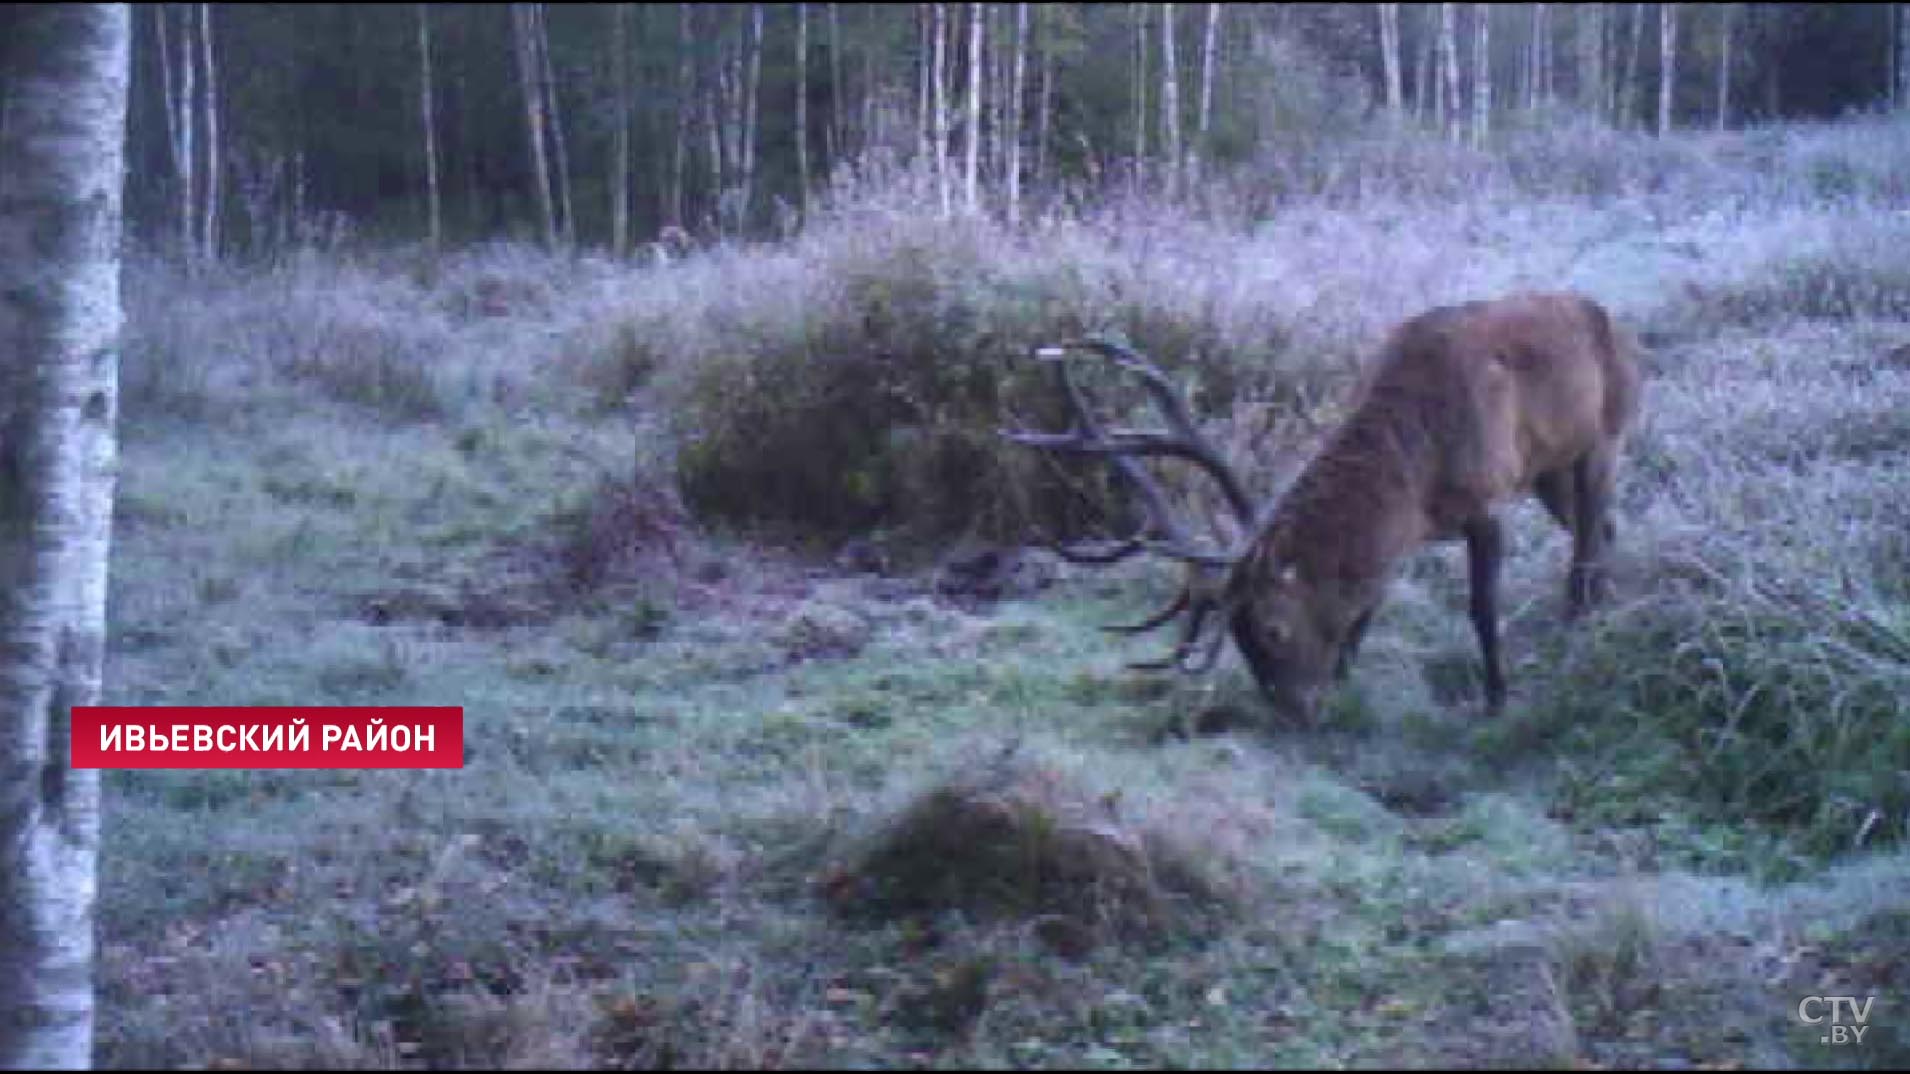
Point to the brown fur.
(1465, 408)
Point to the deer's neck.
(1359, 506)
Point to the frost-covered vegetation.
(749, 785)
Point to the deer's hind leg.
(1485, 548)
(1559, 495)
(1592, 529)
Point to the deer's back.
(1506, 390)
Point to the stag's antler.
(1200, 596)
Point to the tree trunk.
(555, 124)
(173, 100)
(1045, 107)
(716, 121)
(835, 148)
(434, 214)
(939, 104)
(685, 108)
(752, 83)
(1388, 56)
(972, 143)
(1425, 99)
(620, 138)
(209, 230)
(188, 148)
(1481, 72)
(522, 28)
(1140, 95)
(1591, 58)
(1449, 70)
(802, 107)
(1629, 89)
(866, 134)
(1001, 86)
(1546, 38)
(1903, 55)
(61, 173)
(1534, 58)
(1724, 63)
(1170, 101)
(1016, 88)
(1667, 63)
(924, 82)
(1209, 41)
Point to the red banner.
(142, 736)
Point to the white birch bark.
(529, 80)
(61, 173)
(1481, 73)
(1017, 85)
(1667, 63)
(209, 229)
(434, 211)
(1170, 101)
(972, 141)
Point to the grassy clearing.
(731, 805)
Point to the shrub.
(862, 383)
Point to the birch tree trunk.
(1388, 55)
(188, 148)
(1481, 72)
(174, 100)
(1724, 63)
(434, 214)
(679, 153)
(834, 148)
(802, 107)
(1001, 86)
(1425, 97)
(1628, 91)
(1591, 58)
(620, 138)
(716, 122)
(61, 172)
(1535, 58)
(939, 104)
(971, 174)
(1017, 85)
(752, 83)
(1545, 67)
(1045, 106)
(1208, 42)
(1140, 96)
(1903, 55)
(209, 223)
(1170, 101)
(865, 130)
(1449, 68)
(548, 82)
(924, 82)
(1667, 63)
(522, 28)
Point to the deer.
(1464, 408)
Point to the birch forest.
(605, 125)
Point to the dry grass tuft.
(1020, 839)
